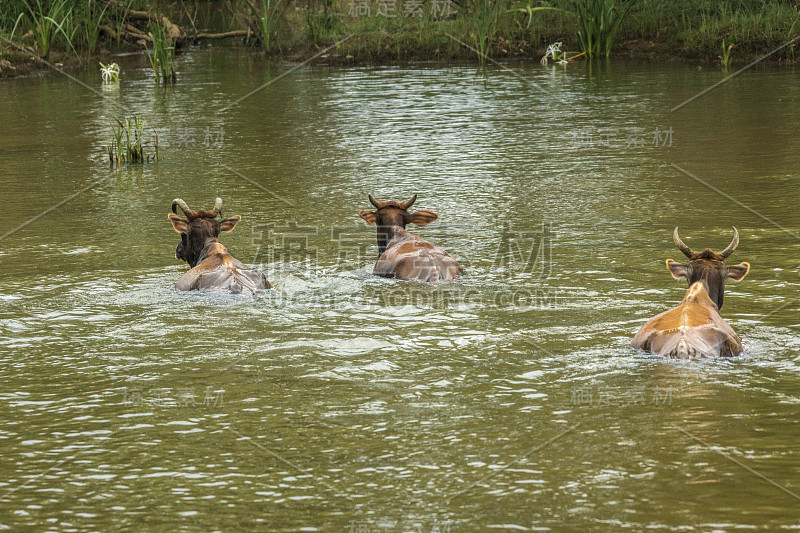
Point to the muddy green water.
(341, 402)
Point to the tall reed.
(486, 17)
(162, 60)
(267, 16)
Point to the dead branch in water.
(234, 33)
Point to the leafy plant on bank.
(598, 20)
(120, 14)
(91, 24)
(48, 20)
(321, 25)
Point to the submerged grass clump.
(128, 145)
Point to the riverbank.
(390, 31)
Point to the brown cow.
(403, 255)
(695, 328)
(213, 266)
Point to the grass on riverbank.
(383, 31)
(692, 29)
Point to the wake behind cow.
(213, 266)
(695, 329)
(403, 255)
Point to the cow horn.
(375, 202)
(218, 207)
(185, 208)
(732, 246)
(679, 243)
(410, 202)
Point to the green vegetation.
(128, 144)
(47, 20)
(109, 73)
(92, 20)
(321, 26)
(267, 19)
(119, 13)
(399, 30)
(678, 28)
(486, 16)
(599, 22)
(725, 58)
(162, 60)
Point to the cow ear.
(421, 218)
(229, 223)
(738, 272)
(178, 223)
(369, 216)
(677, 270)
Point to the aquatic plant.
(162, 60)
(128, 144)
(109, 72)
(725, 58)
(554, 51)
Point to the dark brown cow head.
(708, 266)
(200, 228)
(390, 214)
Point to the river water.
(337, 401)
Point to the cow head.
(708, 266)
(198, 229)
(389, 215)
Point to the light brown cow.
(213, 266)
(695, 328)
(403, 255)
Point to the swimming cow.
(403, 255)
(695, 328)
(213, 266)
